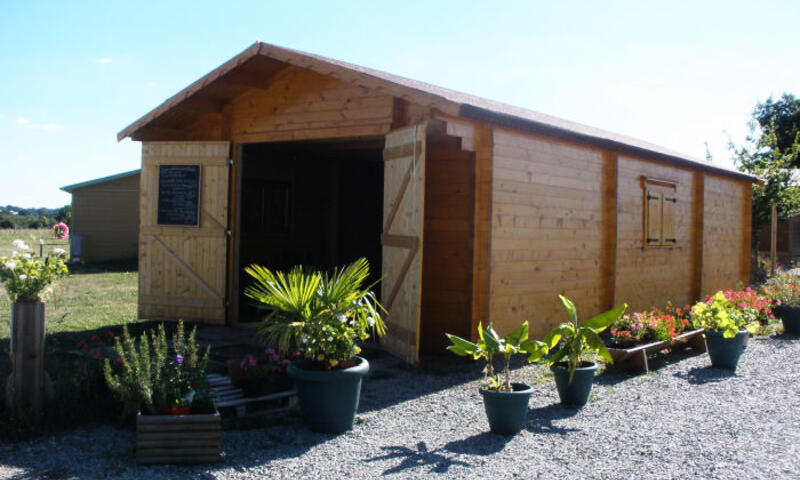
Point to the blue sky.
(677, 74)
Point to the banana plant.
(577, 341)
(488, 346)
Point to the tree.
(781, 116)
(774, 166)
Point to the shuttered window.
(659, 217)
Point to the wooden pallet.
(636, 357)
(229, 399)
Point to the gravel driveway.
(686, 420)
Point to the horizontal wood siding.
(447, 247)
(547, 235)
(651, 276)
(726, 232)
(300, 104)
(107, 215)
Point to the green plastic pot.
(790, 316)
(507, 411)
(574, 394)
(725, 352)
(328, 398)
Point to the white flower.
(59, 251)
(341, 317)
(303, 339)
(23, 277)
(18, 244)
(371, 321)
(26, 255)
(10, 265)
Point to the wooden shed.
(105, 212)
(469, 210)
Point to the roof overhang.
(97, 181)
(255, 67)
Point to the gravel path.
(686, 420)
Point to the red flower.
(96, 353)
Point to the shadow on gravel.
(392, 381)
(481, 444)
(541, 419)
(435, 460)
(703, 375)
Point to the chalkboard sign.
(178, 194)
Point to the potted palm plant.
(506, 403)
(27, 280)
(724, 325)
(574, 376)
(784, 289)
(324, 315)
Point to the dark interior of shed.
(316, 204)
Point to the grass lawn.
(90, 298)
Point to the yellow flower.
(333, 362)
(320, 357)
(356, 350)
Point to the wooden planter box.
(195, 438)
(636, 357)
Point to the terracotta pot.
(176, 410)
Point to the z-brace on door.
(182, 269)
(403, 216)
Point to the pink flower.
(248, 361)
(61, 231)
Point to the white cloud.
(37, 126)
(104, 60)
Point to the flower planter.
(574, 394)
(328, 398)
(790, 316)
(725, 352)
(507, 411)
(194, 438)
(636, 356)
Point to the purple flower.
(179, 359)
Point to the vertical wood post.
(698, 207)
(773, 240)
(608, 259)
(25, 388)
(482, 227)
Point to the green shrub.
(154, 380)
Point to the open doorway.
(316, 204)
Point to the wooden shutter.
(182, 269)
(403, 203)
(668, 219)
(653, 218)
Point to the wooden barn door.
(182, 269)
(403, 202)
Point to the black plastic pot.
(574, 394)
(725, 352)
(790, 316)
(328, 398)
(507, 411)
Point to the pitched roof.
(96, 181)
(449, 101)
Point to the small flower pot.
(328, 398)
(725, 352)
(790, 316)
(176, 410)
(576, 393)
(507, 411)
